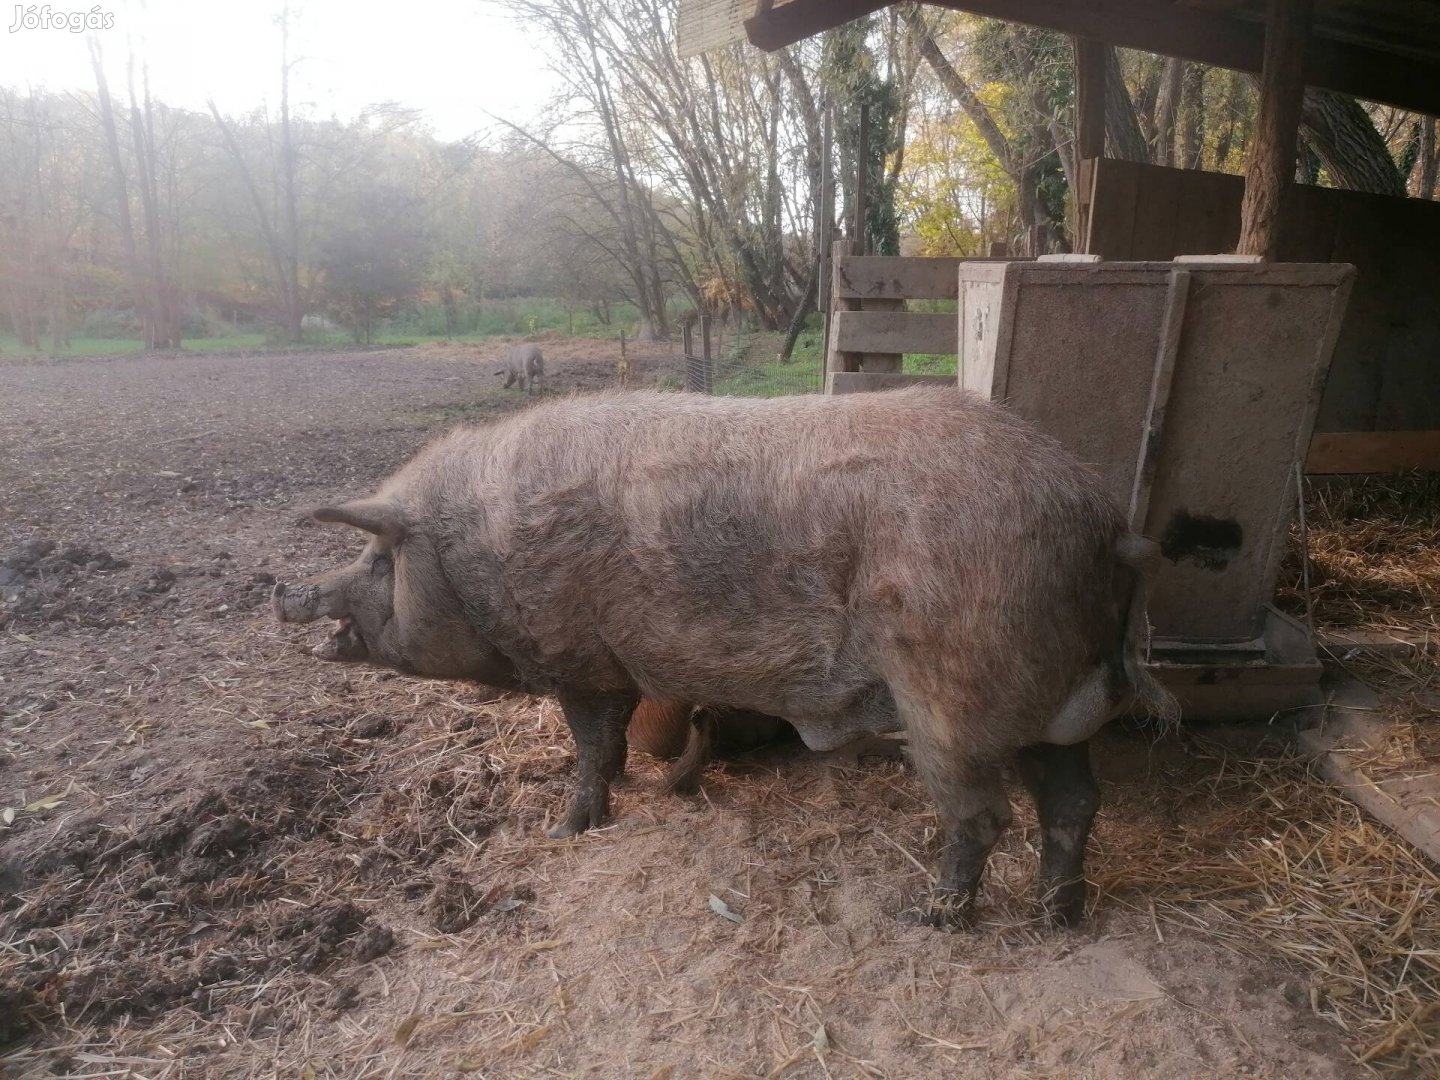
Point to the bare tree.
(150, 280)
(1041, 231)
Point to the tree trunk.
(1162, 146)
(814, 172)
(294, 306)
(802, 312)
(1123, 137)
(1428, 162)
(161, 331)
(120, 186)
(1344, 137)
(1227, 140)
(958, 87)
(1192, 117)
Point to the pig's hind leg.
(598, 723)
(1066, 799)
(970, 797)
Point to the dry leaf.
(8, 815)
(719, 907)
(406, 1031)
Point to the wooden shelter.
(1381, 408)
(1183, 351)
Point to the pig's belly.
(832, 732)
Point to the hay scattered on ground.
(1273, 861)
(1374, 545)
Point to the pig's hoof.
(943, 909)
(588, 812)
(1064, 905)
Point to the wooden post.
(862, 183)
(835, 360)
(692, 376)
(826, 196)
(1089, 97)
(1271, 168)
(1089, 126)
(707, 376)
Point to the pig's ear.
(379, 516)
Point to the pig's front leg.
(598, 722)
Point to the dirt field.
(227, 859)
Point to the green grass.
(931, 364)
(501, 318)
(10, 347)
(497, 318)
(804, 373)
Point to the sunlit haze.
(454, 60)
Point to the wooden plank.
(1409, 396)
(865, 277)
(835, 360)
(1307, 232)
(1157, 213)
(895, 332)
(1406, 801)
(1153, 431)
(1352, 393)
(1404, 643)
(702, 25)
(800, 19)
(1207, 37)
(1360, 452)
(1209, 221)
(882, 359)
(1270, 171)
(1112, 209)
(855, 382)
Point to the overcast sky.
(451, 59)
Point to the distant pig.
(524, 364)
(917, 560)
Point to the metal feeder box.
(1192, 387)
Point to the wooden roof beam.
(1197, 33)
(799, 19)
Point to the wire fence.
(748, 364)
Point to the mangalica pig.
(917, 560)
(525, 365)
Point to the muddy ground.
(225, 859)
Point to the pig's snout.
(295, 603)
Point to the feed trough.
(1192, 387)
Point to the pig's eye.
(381, 566)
